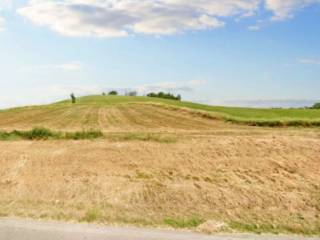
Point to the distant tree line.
(152, 94)
(165, 96)
(131, 94)
(115, 93)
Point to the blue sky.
(233, 52)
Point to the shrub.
(113, 93)
(316, 106)
(37, 133)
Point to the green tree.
(316, 105)
(73, 98)
(114, 93)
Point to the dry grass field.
(117, 118)
(211, 174)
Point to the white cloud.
(170, 86)
(313, 61)
(284, 9)
(116, 18)
(119, 18)
(69, 66)
(254, 28)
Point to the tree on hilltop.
(73, 98)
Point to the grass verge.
(192, 222)
(274, 123)
(274, 229)
(40, 133)
(92, 215)
(146, 137)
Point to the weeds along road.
(17, 229)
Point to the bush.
(113, 93)
(316, 106)
(36, 134)
(165, 96)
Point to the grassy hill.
(162, 163)
(117, 113)
(229, 112)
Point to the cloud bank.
(119, 18)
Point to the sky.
(261, 53)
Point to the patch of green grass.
(192, 222)
(34, 134)
(142, 137)
(92, 215)
(40, 133)
(5, 136)
(37, 133)
(275, 123)
(143, 175)
(93, 134)
(274, 228)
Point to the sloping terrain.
(213, 174)
(119, 113)
(122, 117)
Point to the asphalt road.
(18, 229)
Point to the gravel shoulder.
(20, 229)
